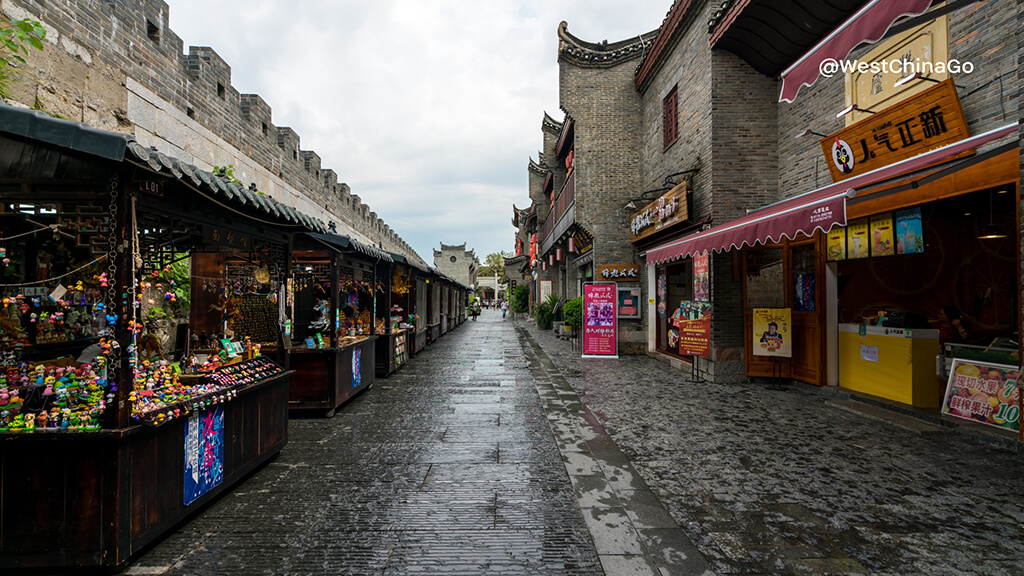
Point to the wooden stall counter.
(893, 363)
(94, 498)
(326, 378)
(392, 351)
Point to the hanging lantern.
(558, 254)
(544, 265)
(572, 245)
(551, 259)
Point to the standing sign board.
(773, 332)
(694, 323)
(600, 323)
(983, 392)
(204, 452)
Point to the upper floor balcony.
(562, 214)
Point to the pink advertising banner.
(600, 323)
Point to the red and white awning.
(804, 214)
(869, 24)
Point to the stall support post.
(373, 295)
(120, 259)
(332, 332)
(776, 382)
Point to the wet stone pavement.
(497, 450)
(448, 466)
(803, 481)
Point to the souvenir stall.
(117, 422)
(395, 346)
(337, 288)
(432, 285)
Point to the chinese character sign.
(925, 121)
(701, 278)
(773, 332)
(204, 452)
(983, 392)
(599, 320)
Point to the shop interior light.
(990, 231)
(851, 108)
(808, 132)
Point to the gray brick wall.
(94, 46)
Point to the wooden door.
(788, 275)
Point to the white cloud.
(428, 109)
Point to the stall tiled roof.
(79, 137)
(345, 243)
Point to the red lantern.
(572, 245)
(558, 254)
(551, 259)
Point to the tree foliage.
(15, 39)
(494, 263)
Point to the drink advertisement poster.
(983, 392)
(204, 452)
(882, 235)
(835, 244)
(857, 239)
(701, 278)
(600, 339)
(695, 329)
(909, 232)
(773, 332)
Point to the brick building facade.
(735, 141)
(458, 263)
(118, 66)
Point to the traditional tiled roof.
(603, 54)
(550, 125)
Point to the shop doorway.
(787, 275)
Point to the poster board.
(983, 392)
(628, 302)
(600, 322)
(773, 332)
(882, 235)
(909, 231)
(857, 239)
(545, 290)
(694, 325)
(204, 452)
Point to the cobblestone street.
(479, 457)
(805, 481)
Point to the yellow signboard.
(836, 244)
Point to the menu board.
(701, 278)
(983, 392)
(882, 235)
(600, 338)
(909, 232)
(772, 332)
(857, 239)
(835, 244)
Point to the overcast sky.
(428, 109)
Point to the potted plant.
(542, 314)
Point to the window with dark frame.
(670, 107)
(153, 31)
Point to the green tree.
(494, 263)
(15, 38)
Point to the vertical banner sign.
(600, 339)
(773, 332)
(694, 323)
(204, 452)
(909, 232)
(545, 290)
(701, 278)
(983, 392)
(357, 372)
(662, 295)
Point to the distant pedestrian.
(504, 308)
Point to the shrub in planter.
(542, 313)
(520, 303)
(574, 313)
